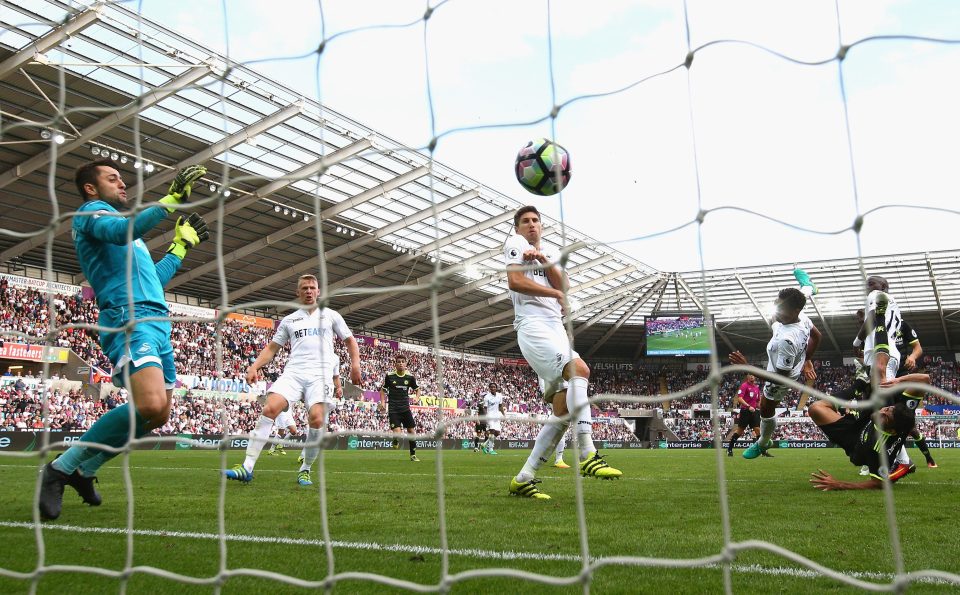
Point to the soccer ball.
(543, 167)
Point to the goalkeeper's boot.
(595, 466)
(239, 473)
(414, 458)
(51, 492)
(527, 489)
(559, 464)
(85, 487)
(754, 451)
(303, 478)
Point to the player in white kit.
(536, 284)
(493, 403)
(795, 339)
(307, 376)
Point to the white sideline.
(416, 549)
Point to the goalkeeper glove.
(188, 232)
(182, 185)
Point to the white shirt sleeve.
(282, 336)
(340, 326)
(787, 354)
(514, 248)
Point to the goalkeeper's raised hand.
(181, 186)
(187, 233)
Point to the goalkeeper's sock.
(258, 437)
(579, 406)
(768, 425)
(543, 446)
(112, 429)
(311, 450)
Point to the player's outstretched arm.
(266, 356)
(182, 185)
(736, 358)
(825, 482)
(113, 229)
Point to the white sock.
(546, 442)
(489, 443)
(311, 451)
(561, 446)
(767, 427)
(258, 437)
(579, 406)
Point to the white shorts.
(285, 419)
(494, 425)
(310, 388)
(547, 349)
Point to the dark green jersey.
(398, 388)
(865, 450)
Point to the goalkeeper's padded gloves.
(181, 186)
(187, 233)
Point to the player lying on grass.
(863, 436)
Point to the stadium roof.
(108, 81)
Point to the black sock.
(733, 439)
(922, 445)
(413, 447)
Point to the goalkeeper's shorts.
(149, 345)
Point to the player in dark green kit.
(395, 393)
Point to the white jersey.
(891, 319)
(528, 306)
(787, 348)
(492, 402)
(310, 336)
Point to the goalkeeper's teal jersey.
(101, 243)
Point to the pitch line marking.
(417, 549)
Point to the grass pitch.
(383, 519)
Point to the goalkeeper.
(141, 355)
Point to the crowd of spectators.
(207, 352)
